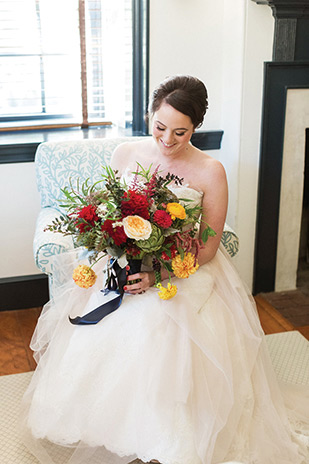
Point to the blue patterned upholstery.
(56, 163)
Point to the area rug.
(289, 352)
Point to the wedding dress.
(183, 381)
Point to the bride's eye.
(180, 134)
(160, 128)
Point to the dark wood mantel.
(291, 37)
(286, 7)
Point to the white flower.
(117, 224)
(102, 210)
(136, 227)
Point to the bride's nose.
(168, 138)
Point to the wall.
(185, 38)
(19, 210)
(224, 43)
(257, 45)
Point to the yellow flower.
(167, 293)
(137, 227)
(176, 210)
(84, 276)
(184, 268)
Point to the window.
(68, 62)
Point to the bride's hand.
(145, 281)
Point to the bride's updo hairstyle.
(186, 94)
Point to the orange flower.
(84, 276)
(184, 268)
(176, 210)
(167, 293)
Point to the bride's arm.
(214, 205)
(215, 200)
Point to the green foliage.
(208, 232)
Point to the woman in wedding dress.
(180, 381)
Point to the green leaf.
(208, 232)
(168, 266)
(168, 252)
(205, 235)
(211, 232)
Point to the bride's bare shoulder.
(208, 166)
(209, 173)
(127, 153)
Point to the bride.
(182, 381)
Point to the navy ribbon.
(115, 284)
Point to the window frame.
(140, 11)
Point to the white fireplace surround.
(292, 187)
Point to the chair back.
(58, 163)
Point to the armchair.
(55, 163)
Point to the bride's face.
(171, 130)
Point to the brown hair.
(186, 94)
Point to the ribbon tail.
(116, 282)
(97, 314)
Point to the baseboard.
(23, 292)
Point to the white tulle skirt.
(182, 381)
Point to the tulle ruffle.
(182, 381)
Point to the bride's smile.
(167, 145)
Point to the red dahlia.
(134, 204)
(162, 218)
(116, 233)
(88, 214)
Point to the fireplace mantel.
(286, 8)
(291, 36)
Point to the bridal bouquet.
(144, 219)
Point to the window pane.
(20, 85)
(40, 69)
(109, 60)
(39, 58)
(59, 26)
(18, 27)
(62, 85)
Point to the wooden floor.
(273, 321)
(16, 329)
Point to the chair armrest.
(230, 241)
(47, 244)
